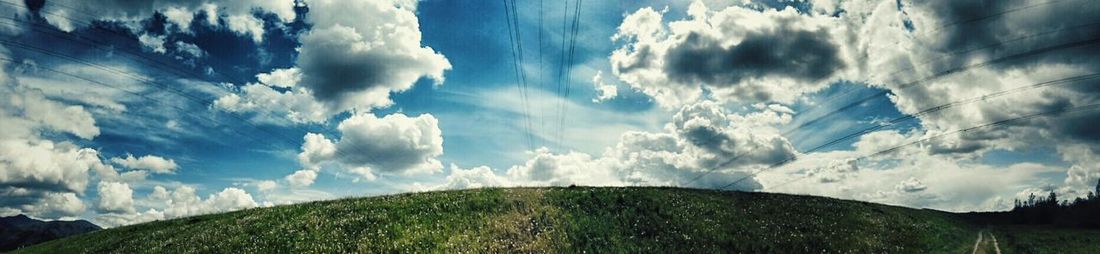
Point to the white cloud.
(246, 25)
(26, 111)
(302, 178)
(359, 52)
(284, 78)
(156, 164)
(178, 12)
(160, 193)
(184, 202)
(179, 17)
(925, 54)
(190, 49)
(53, 204)
(702, 139)
(737, 53)
(316, 149)
(881, 140)
(270, 105)
(153, 42)
(604, 91)
(40, 176)
(110, 220)
(477, 177)
(266, 185)
(912, 178)
(115, 197)
(46, 165)
(911, 185)
(394, 143)
(545, 168)
(356, 54)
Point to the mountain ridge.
(21, 230)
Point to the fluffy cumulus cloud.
(153, 43)
(45, 173)
(406, 143)
(704, 146)
(951, 64)
(356, 54)
(302, 178)
(477, 177)
(360, 51)
(935, 53)
(181, 202)
(115, 197)
(604, 91)
(156, 164)
(736, 53)
(271, 105)
(266, 185)
(184, 202)
(39, 176)
(395, 143)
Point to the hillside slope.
(546, 220)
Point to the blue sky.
(201, 90)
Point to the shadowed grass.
(1045, 239)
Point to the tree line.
(1080, 212)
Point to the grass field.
(599, 220)
(1042, 239)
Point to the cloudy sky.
(121, 112)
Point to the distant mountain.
(21, 231)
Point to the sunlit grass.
(576, 219)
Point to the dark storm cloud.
(330, 74)
(1058, 30)
(788, 52)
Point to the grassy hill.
(550, 220)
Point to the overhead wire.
(160, 65)
(937, 30)
(517, 60)
(943, 74)
(124, 36)
(986, 125)
(1059, 111)
(938, 75)
(567, 75)
(139, 94)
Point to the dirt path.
(995, 245)
(986, 245)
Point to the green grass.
(582, 219)
(1044, 239)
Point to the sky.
(122, 112)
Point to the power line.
(946, 73)
(201, 101)
(985, 125)
(126, 36)
(541, 72)
(521, 78)
(561, 61)
(145, 96)
(942, 107)
(997, 14)
(935, 76)
(562, 105)
(831, 98)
